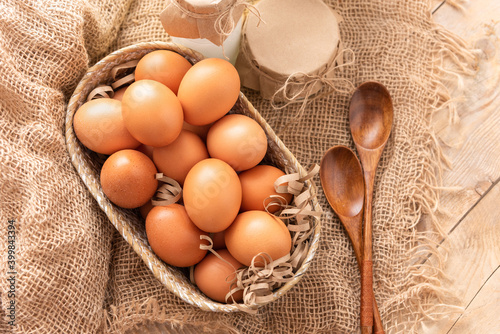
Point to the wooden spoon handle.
(367, 265)
(378, 328)
(366, 295)
(366, 330)
(377, 322)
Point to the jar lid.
(201, 18)
(296, 36)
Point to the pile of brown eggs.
(173, 119)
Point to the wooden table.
(470, 208)
(470, 214)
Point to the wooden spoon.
(370, 118)
(342, 181)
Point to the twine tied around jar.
(182, 19)
(225, 23)
(300, 87)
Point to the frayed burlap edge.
(425, 298)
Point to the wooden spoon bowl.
(371, 115)
(342, 181)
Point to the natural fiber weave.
(76, 273)
(130, 224)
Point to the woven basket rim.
(170, 279)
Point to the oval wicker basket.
(128, 222)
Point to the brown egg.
(173, 237)
(119, 93)
(254, 232)
(201, 130)
(167, 67)
(212, 195)
(214, 276)
(152, 113)
(128, 178)
(238, 140)
(208, 91)
(257, 184)
(99, 126)
(177, 158)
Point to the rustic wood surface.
(470, 208)
(470, 214)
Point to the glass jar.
(211, 27)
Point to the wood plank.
(436, 5)
(473, 256)
(482, 313)
(472, 144)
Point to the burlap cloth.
(75, 274)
